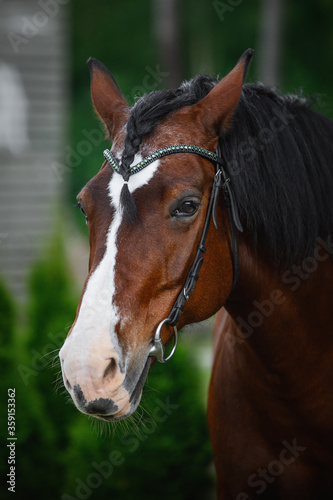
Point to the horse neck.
(281, 313)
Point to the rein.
(221, 180)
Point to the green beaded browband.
(178, 148)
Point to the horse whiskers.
(58, 384)
(52, 363)
(101, 428)
(51, 352)
(149, 388)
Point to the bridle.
(221, 180)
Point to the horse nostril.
(68, 384)
(110, 369)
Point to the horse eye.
(78, 205)
(186, 209)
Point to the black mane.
(279, 155)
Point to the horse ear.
(218, 106)
(107, 98)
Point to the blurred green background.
(62, 454)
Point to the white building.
(33, 91)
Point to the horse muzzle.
(102, 387)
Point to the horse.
(231, 181)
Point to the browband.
(184, 148)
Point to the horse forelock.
(145, 115)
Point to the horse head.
(146, 210)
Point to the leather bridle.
(221, 180)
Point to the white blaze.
(94, 330)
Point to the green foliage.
(62, 454)
(162, 451)
(51, 301)
(42, 416)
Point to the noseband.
(220, 180)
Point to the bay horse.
(241, 177)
